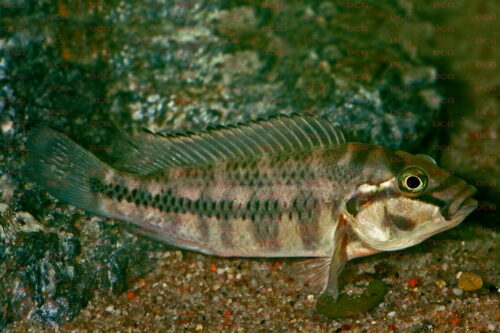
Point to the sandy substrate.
(193, 292)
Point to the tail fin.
(64, 168)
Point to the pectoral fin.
(338, 262)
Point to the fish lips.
(461, 206)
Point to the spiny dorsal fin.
(149, 153)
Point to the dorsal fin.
(149, 153)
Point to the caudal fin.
(64, 168)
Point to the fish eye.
(412, 181)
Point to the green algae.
(350, 305)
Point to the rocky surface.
(90, 68)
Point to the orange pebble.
(412, 283)
(227, 313)
(142, 282)
(213, 268)
(454, 321)
(130, 295)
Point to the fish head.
(407, 203)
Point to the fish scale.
(282, 187)
(241, 200)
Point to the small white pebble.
(391, 314)
(6, 126)
(458, 291)
(491, 327)
(153, 98)
(238, 276)
(110, 308)
(459, 274)
(310, 297)
(199, 327)
(3, 207)
(220, 271)
(441, 308)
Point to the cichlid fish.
(282, 187)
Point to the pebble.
(458, 291)
(470, 281)
(441, 283)
(412, 283)
(153, 98)
(199, 327)
(3, 207)
(441, 308)
(6, 126)
(391, 314)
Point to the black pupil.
(413, 182)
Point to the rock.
(458, 291)
(441, 283)
(470, 281)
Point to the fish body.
(285, 187)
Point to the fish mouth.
(462, 205)
(466, 207)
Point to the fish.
(286, 186)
